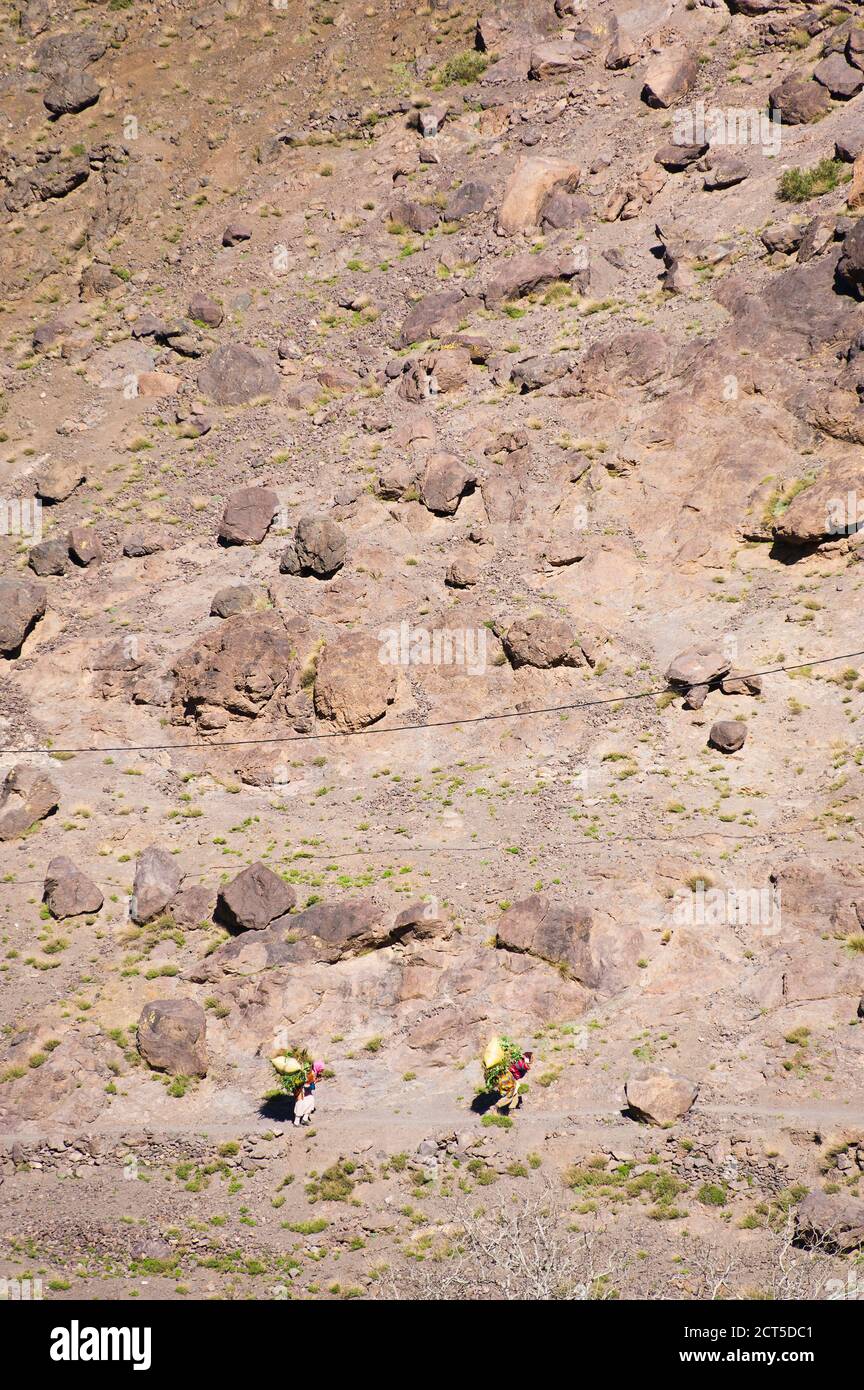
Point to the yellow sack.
(494, 1053)
(285, 1065)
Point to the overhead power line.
(379, 731)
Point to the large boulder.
(319, 547)
(28, 795)
(444, 482)
(699, 665)
(728, 735)
(22, 604)
(254, 899)
(832, 1220)
(236, 669)
(840, 78)
(172, 1037)
(669, 76)
(542, 641)
(435, 315)
(467, 200)
(59, 479)
(556, 58)
(157, 879)
(820, 512)
(353, 683)
(520, 275)
(552, 932)
(527, 188)
(68, 892)
(658, 1097)
(236, 375)
(72, 90)
(248, 516)
(49, 558)
(798, 100)
(323, 934)
(73, 50)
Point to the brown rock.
(552, 932)
(172, 1037)
(528, 186)
(236, 375)
(444, 482)
(659, 1097)
(248, 516)
(233, 599)
(834, 1221)
(727, 735)
(157, 879)
(798, 100)
(206, 310)
(28, 795)
(319, 547)
(353, 683)
(236, 669)
(701, 665)
(49, 558)
(519, 275)
(254, 899)
(236, 232)
(543, 642)
(59, 480)
(85, 546)
(669, 76)
(68, 892)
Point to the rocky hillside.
(430, 607)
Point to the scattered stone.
(676, 157)
(233, 599)
(543, 642)
(142, 542)
(529, 184)
(469, 199)
(697, 666)
(798, 100)
(205, 310)
(556, 58)
(59, 480)
(236, 232)
(520, 275)
(553, 933)
(73, 90)
(841, 79)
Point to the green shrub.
(797, 185)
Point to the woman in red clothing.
(508, 1087)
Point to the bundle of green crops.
(499, 1055)
(291, 1069)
